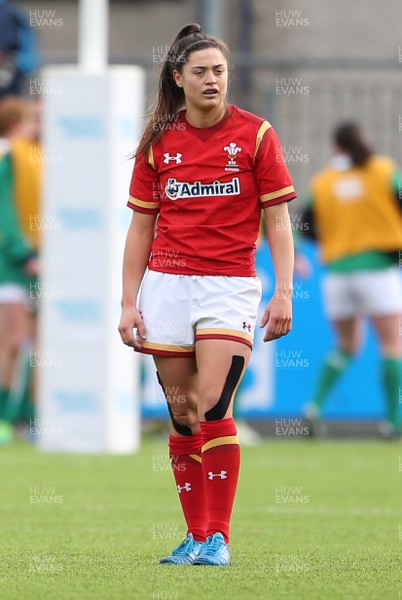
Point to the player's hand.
(131, 319)
(32, 267)
(303, 267)
(277, 317)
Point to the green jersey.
(15, 249)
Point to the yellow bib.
(27, 166)
(356, 209)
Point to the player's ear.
(178, 78)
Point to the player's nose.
(211, 77)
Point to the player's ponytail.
(349, 138)
(170, 98)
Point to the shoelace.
(212, 546)
(183, 546)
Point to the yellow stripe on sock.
(196, 457)
(220, 441)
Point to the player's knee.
(351, 348)
(391, 348)
(15, 341)
(184, 415)
(182, 406)
(209, 398)
(215, 401)
(183, 421)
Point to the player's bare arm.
(136, 255)
(278, 314)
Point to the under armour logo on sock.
(186, 486)
(222, 475)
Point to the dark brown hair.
(349, 138)
(170, 98)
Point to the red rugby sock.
(220, 466)
(185, 454)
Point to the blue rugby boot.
(185, 553)
(215, 552)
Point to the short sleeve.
(273, 179)
(144, 186)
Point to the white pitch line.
(376, 512)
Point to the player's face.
(204, 79)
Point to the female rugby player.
(204, 171)
(355, 213)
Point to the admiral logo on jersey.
(184, 189)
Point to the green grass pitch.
(312, 520)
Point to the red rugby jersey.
(208, 186)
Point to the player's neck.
(209, 118)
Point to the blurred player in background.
(19, 195)
(355, 213)
(18, 49)
(206, 170)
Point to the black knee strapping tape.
(182, 429)
(219, 410)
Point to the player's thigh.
(3, 321)
(14, 325)
(221, 365)
(338, 296)
(165, 306)
(388, 331)
(178, 376)
(348, 333)
(383, 304)
(380, 292)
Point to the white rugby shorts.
(179, 310)
(365, 293)
(13, 293)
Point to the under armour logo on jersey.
(246, 326)
(222, 475)
(186, 487)
(176, 158)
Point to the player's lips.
(210, 92)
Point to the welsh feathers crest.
(232, 149)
